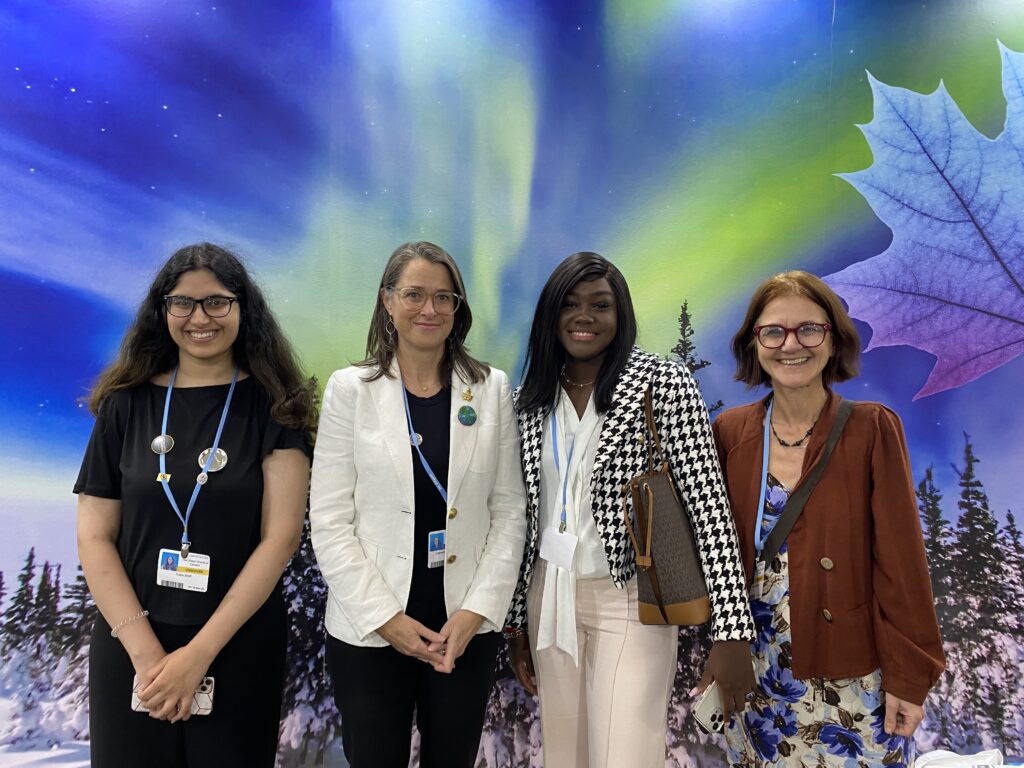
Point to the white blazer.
(362, 503)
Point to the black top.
(225, 522)
(431, 417)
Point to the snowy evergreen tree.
(3, 590)
(77, 615)
(937, 543)
(310, 722)
(28, 668)
(66, 717)
(685, 351)
(976, 704)
(977, 564)
(43, 618)
(940, 726)
(1013, 552)
(19, 612)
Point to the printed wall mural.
(701, 145)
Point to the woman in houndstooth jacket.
(604, 679)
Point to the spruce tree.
(77, 615)
(1013, 552)
(685, 351)
(3, 590)
(43, 620)
(19, 612)
(977, 566)
(937, 541)
(66, 716)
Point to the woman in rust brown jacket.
(847, 645)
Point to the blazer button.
(827, 564)
(824, 611)
(451, 559)
(452, 513)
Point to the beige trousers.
(612, 710)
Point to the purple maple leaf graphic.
(952, 281)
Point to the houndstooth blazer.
(682, 421)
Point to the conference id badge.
(435, 549)
(558, 548)
(190, 573)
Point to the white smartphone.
(707, 710)
(202, 699)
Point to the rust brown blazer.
(860, 594)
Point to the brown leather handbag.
(670, 580)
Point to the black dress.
(225, 525)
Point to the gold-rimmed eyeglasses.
(414, 299)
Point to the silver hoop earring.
(389, 329)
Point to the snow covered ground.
(74, 755)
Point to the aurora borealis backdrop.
(695, 143)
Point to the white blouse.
(571, 478)
(590, 561)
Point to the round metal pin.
(220, 460)
(467, 416)
(416, 439)
(202, 477)
(162, 444)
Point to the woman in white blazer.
(418, 522)
(575, 638)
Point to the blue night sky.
(695, 144)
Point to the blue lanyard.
(201, 479)
(558, 467)
(416, 445)
(759, 536)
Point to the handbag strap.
(799, 498)
(652, 432)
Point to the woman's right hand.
(408, 636)
(522, 662)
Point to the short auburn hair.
(845, 360)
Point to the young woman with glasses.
(191, 500)
(848, 644)
(575, 637)
(417, 514)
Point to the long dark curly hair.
(261, 347)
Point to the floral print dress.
(793, 723)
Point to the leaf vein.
(938, 300)
(956, 193)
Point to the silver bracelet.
(122, 624)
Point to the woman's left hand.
(178, 674)
(730, 665)
(457, 631)
(901, 717)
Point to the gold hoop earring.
(389, 330)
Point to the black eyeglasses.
(808, 335)
(213, 306)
